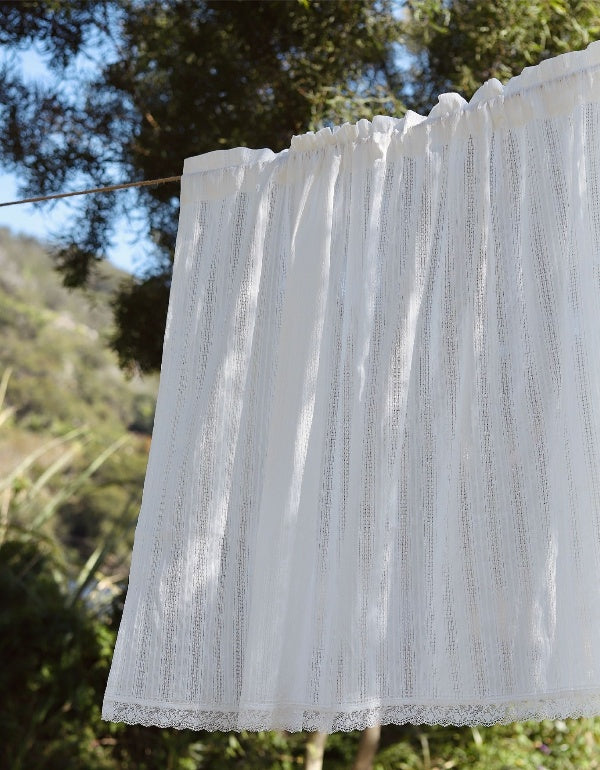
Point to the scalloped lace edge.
(299, 718)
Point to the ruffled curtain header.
(538, 92)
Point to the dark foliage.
(172, 80)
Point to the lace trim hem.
(299, 718)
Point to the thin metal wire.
(94, 190)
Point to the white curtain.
(373, 490)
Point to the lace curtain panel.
(373, 488)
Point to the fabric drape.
(373, 488)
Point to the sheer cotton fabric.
(373, 489)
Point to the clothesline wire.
(94, 190)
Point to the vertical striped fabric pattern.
(373, 489)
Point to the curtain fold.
(373, 488)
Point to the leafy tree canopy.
(175, 78)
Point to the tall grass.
(29, 503)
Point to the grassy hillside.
(64, 378)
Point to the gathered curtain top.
(539, 91)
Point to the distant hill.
(55, 340)
(63, 377)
